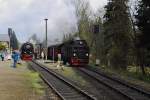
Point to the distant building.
(5, 40)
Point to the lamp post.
(46, 36)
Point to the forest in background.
(123, 37)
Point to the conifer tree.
(143, 23)
(117, 33)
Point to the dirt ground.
(14, 84)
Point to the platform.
(14, 82)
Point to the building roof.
(4, 38)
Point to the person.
(59, 63)
(2, 56)
(15, 58)
(42, 55)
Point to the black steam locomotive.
(75, 52)
(27, 51)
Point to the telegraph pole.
(46, 36)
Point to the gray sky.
(27, 17)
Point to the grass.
(131, 72)
(19, 83)
(73, 75)
(145, 78)
(34, 81)
(132, 75)
(68, 72)
(135, 72)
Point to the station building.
(5, 40)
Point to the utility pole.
(46, 36)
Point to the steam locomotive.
(27, 51)
(74, 52)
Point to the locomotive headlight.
(87, 54)
(74, 54)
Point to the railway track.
(129, 92)
(63, 88)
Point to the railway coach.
(53, 52)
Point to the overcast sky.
(27, 17)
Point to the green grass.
(73, 75)
(34, 81)
(135, 72)
(145, 78)
(131, 72)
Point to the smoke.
(26, 17)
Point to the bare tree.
(82, 11)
